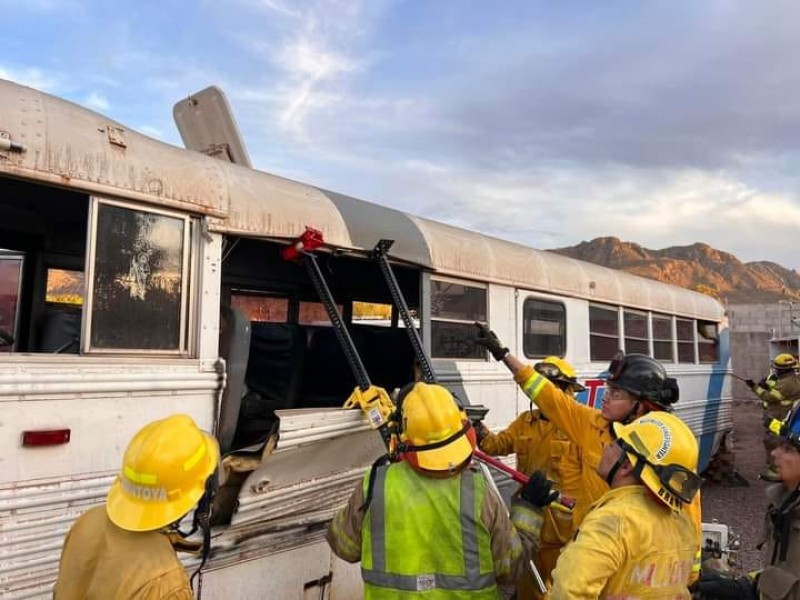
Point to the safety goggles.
(549, 370)
(678, 480)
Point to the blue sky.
(662, 123)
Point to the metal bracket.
(116, 136)
(9, 146)
(204, 230)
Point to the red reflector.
(49, 437)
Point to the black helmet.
(643, 377)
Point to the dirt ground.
(738, 506)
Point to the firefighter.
(635, 385)
(780, 578)
(636, 542)
(124, 548)
(430, 523)
(540, 446)
(777, 392)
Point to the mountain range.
(697, 266)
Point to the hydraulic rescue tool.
(373, 400)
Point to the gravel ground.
(742, 507)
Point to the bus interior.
(278, 343)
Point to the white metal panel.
(34, 518)
(278, 576)
(66, 144)
(264, 205)
(209, 277)
(103, 401)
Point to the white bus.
(139, 279)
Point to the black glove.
(538, 491)
(750, 383)
(489, 340)
(716, 585)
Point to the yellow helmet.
(784, 362)
(559, 371)
(164, 474)
(436, 434)
(664, 454)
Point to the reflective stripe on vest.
(473, 579)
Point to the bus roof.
(68, 145)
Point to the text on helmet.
(143, 492)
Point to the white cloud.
(151, 131)
(97, 101)
(32, 77)
(312, 59)
(562, 204)
(278, 7)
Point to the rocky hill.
(699, 267)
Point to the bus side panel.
(303, 573)
(34, 518)
(103, 403)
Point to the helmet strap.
(631, 413)
(440, 444)
(616, 467)
(202, 520)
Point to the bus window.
(604, 339)
(685, 332)
(707, 341)
(636, 338)
(455, 307)
(544, 328)
(10, 282)
(371, 313)
(138, 280)
(314, 313)
(261, 308)
(662, 338)
(64, 287)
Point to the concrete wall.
(752, 326)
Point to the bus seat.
(274, 369)
(234, 347)
(60, 330)
(389, 357)
(327, 378)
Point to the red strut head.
(309, 241)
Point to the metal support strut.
(302, 249)
(379, 254)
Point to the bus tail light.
(48, 437)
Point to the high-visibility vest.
(422, 534)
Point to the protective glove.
(717, 585)
(750, 383)
(489, 340)
(538, 491)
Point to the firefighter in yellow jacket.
(430, 525)
(636, 542)
(539, 446)
(123, 549)
(635, 385)
(777, 393)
